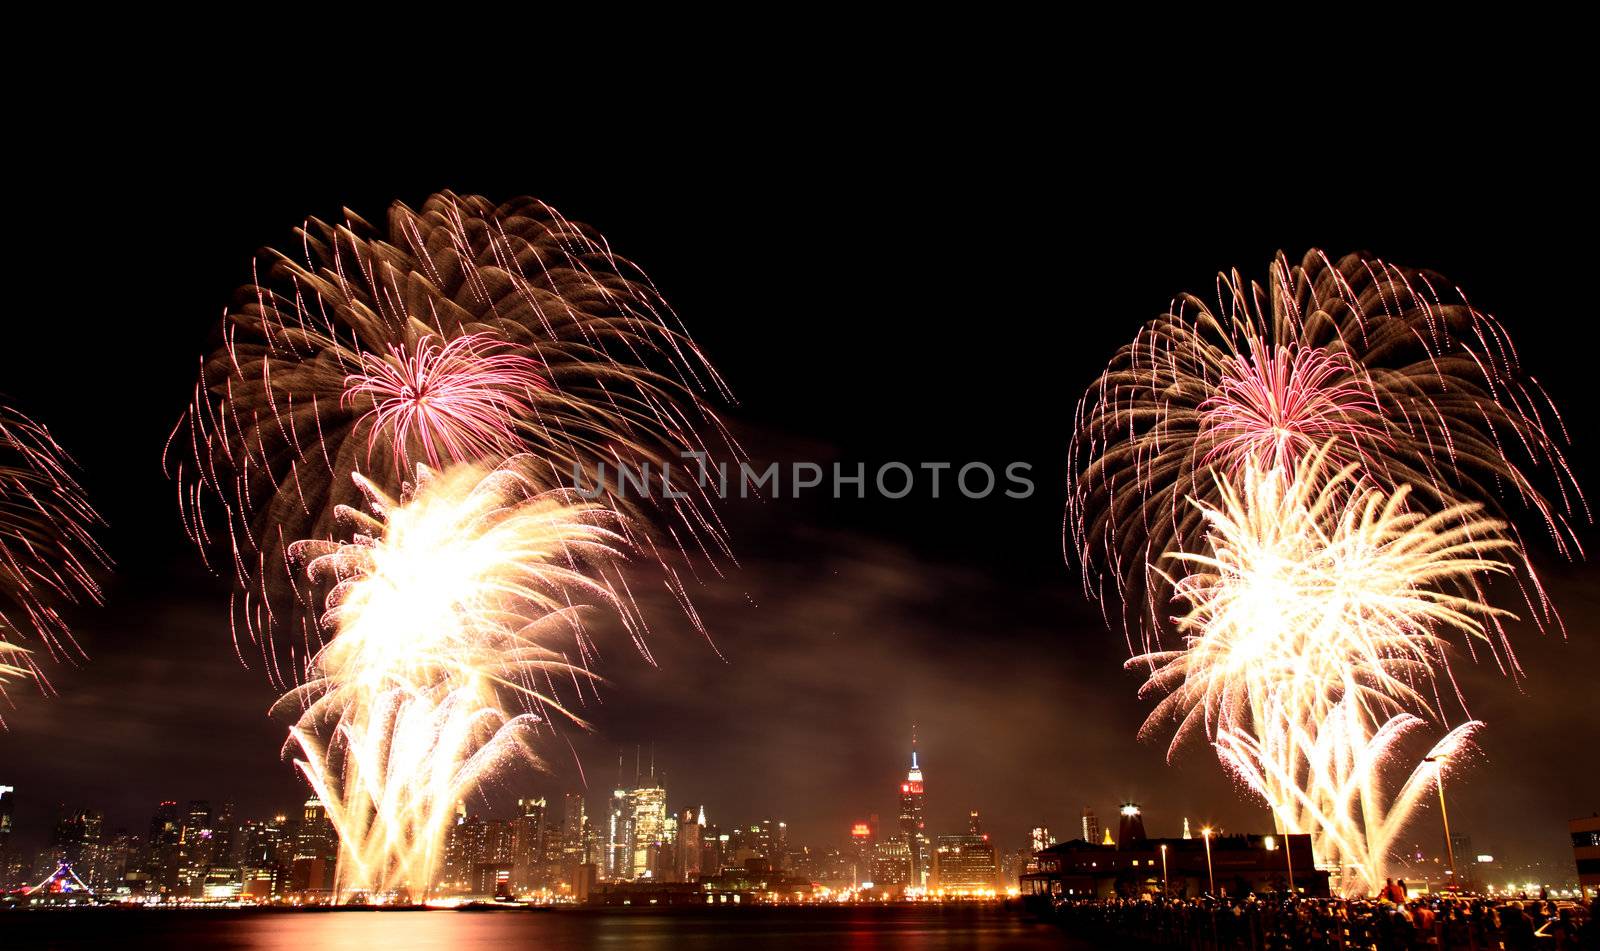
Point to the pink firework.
(462, 332)
(1391, 365)
(1277, 404)
(455, 401)
(48, 555)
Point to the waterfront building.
(1239, 865)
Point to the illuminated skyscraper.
(73, 841)
(10, 869)
(648, 807)
(913, 827)
(891, 863)
(966, 864)
(713, 845)
(528, 833)
(316, 847)
(1091, 826)
(863, 843)
(162, 850)
(1039, 838)
(195, 848)
(574, 828)
(771, 842)
(619, 837)
(689, 825)
(110, 860)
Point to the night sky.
(942, 293)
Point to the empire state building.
(912, 826)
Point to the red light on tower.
(861, 830)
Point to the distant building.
(74, 841)
(10, 870)
(530, 869)
(195, 848)
(316, 849)
(264, 851)
(109, 861)
(619, 837)
(965, 864)
(647, 806)
(772, 842)
(891, 863)
(463, 851)
(713, 842)
(1091, 826)
(162, 848)
(688, 844)
(1586, 853)
(1040, 838)
(913, 825)
(863, 841)
(574, 839)
(492, 880)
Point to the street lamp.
(1164, 889)
(1437, 760)
(1211, 876)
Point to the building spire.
(914, 746)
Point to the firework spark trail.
(1419, 390)
(444, 610)
(48, 555)
(1314, 637)
(465, 332)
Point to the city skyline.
(568, 846)
(847, 619)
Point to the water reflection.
(921, 927)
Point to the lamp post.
(1164, 889)
(1449, 847)
(1211, 876)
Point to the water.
(970, 928)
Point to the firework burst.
(444, 402)
(1382, 362)
(453, 613)
(465, 332)
(1314, 637)
(48, 554)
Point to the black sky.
(937, 293)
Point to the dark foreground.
(978, 928)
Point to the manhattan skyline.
(847, 620)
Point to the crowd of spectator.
(1391, 921)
